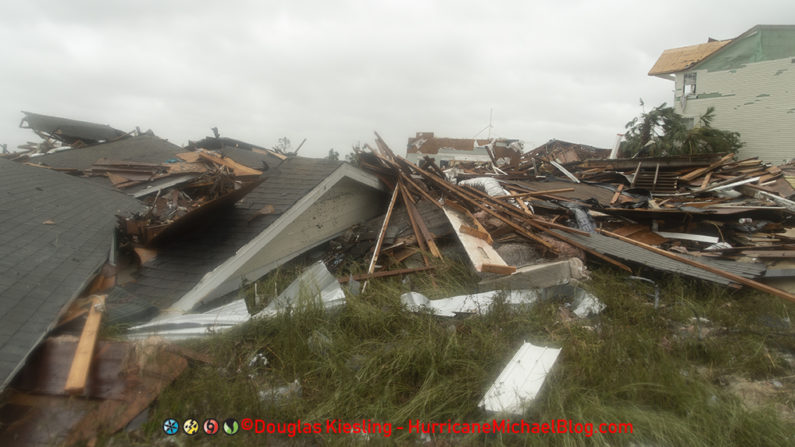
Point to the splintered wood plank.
(385, 273)
(414, 227)
(498, 269)
(701, 171)
(237, 169)
(190, 157)
(78, 373)
(617, 194)
(152, 374)
(381, 233)
(477, 233)
(707, 179)
(117, 179)
(424, 234)
(478, 250)
(145, 254)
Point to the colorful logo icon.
(171, 426)
(231, 426)
(191, 426)
(211, 426)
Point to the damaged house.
(747, 80)
(57, 232)
(453, 150)
(290, 205)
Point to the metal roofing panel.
(624, 250)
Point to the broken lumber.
(471, 197)
(385, 273)
(535, 193)
(414, 227)
(736, 278)
(617, 194)
(81, 363)
(480, 252)
(381, 233)
(237, 169)
(700, 171)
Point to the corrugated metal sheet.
(624, 250)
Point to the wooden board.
(478, 250)
(236, 168)
(78, 373)
(190, 157)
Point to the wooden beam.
(635, 177)
(498, 269)
(81, 363)
(617, 194)
(426, 233)
(518, 228)
(534, 193)
(236, 168)
(736, 278)
(466, 229)
(414, 227)
(419, 189)
(384, 274)
(381, 233)
(479, 251)
(698, 172)
(707, 178)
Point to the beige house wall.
(757, 100)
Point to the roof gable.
(182, 264)
(760, 43)
(679, 59)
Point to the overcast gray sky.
(334, 71)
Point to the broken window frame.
(689, 84)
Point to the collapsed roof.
(69, 131)
(55, 233)
(300, 205)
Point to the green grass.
(374, 360)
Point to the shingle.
(182, 264)
(44, 266)
(144, 149)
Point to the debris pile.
(198, 185)
(525, 222)
(695, 216)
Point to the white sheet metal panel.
(314, 283)
(478, 303)
(521, 380)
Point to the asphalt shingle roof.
(43, 266)
(142, 149)
(183, 262)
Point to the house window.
(689, 87)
